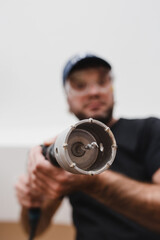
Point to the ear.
(156, 177)
(69, 106)
(112, 88)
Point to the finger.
(47, 186)
(22, 183)
(41, 183)
(29, 203)
(26, 196)
(39, 188)
(23, 192)
(36, 154)
(36, 157)
(50, 141)
(48, 169)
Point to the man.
(120, 203)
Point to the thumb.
(50, 141)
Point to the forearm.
(136, 200)
(47, 211)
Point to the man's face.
(89, 94)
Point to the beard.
(106, 118)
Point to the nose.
(93, 89)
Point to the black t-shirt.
(138, 156)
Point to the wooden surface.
(14, 231)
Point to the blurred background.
(36, 39)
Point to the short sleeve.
(152, 146)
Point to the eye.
(103, 81)
(79, 85)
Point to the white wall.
(36, 39)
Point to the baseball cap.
(83, 61)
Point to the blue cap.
(81, 61)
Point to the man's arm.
(47, 211)
(29, 199)
(135, 200)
